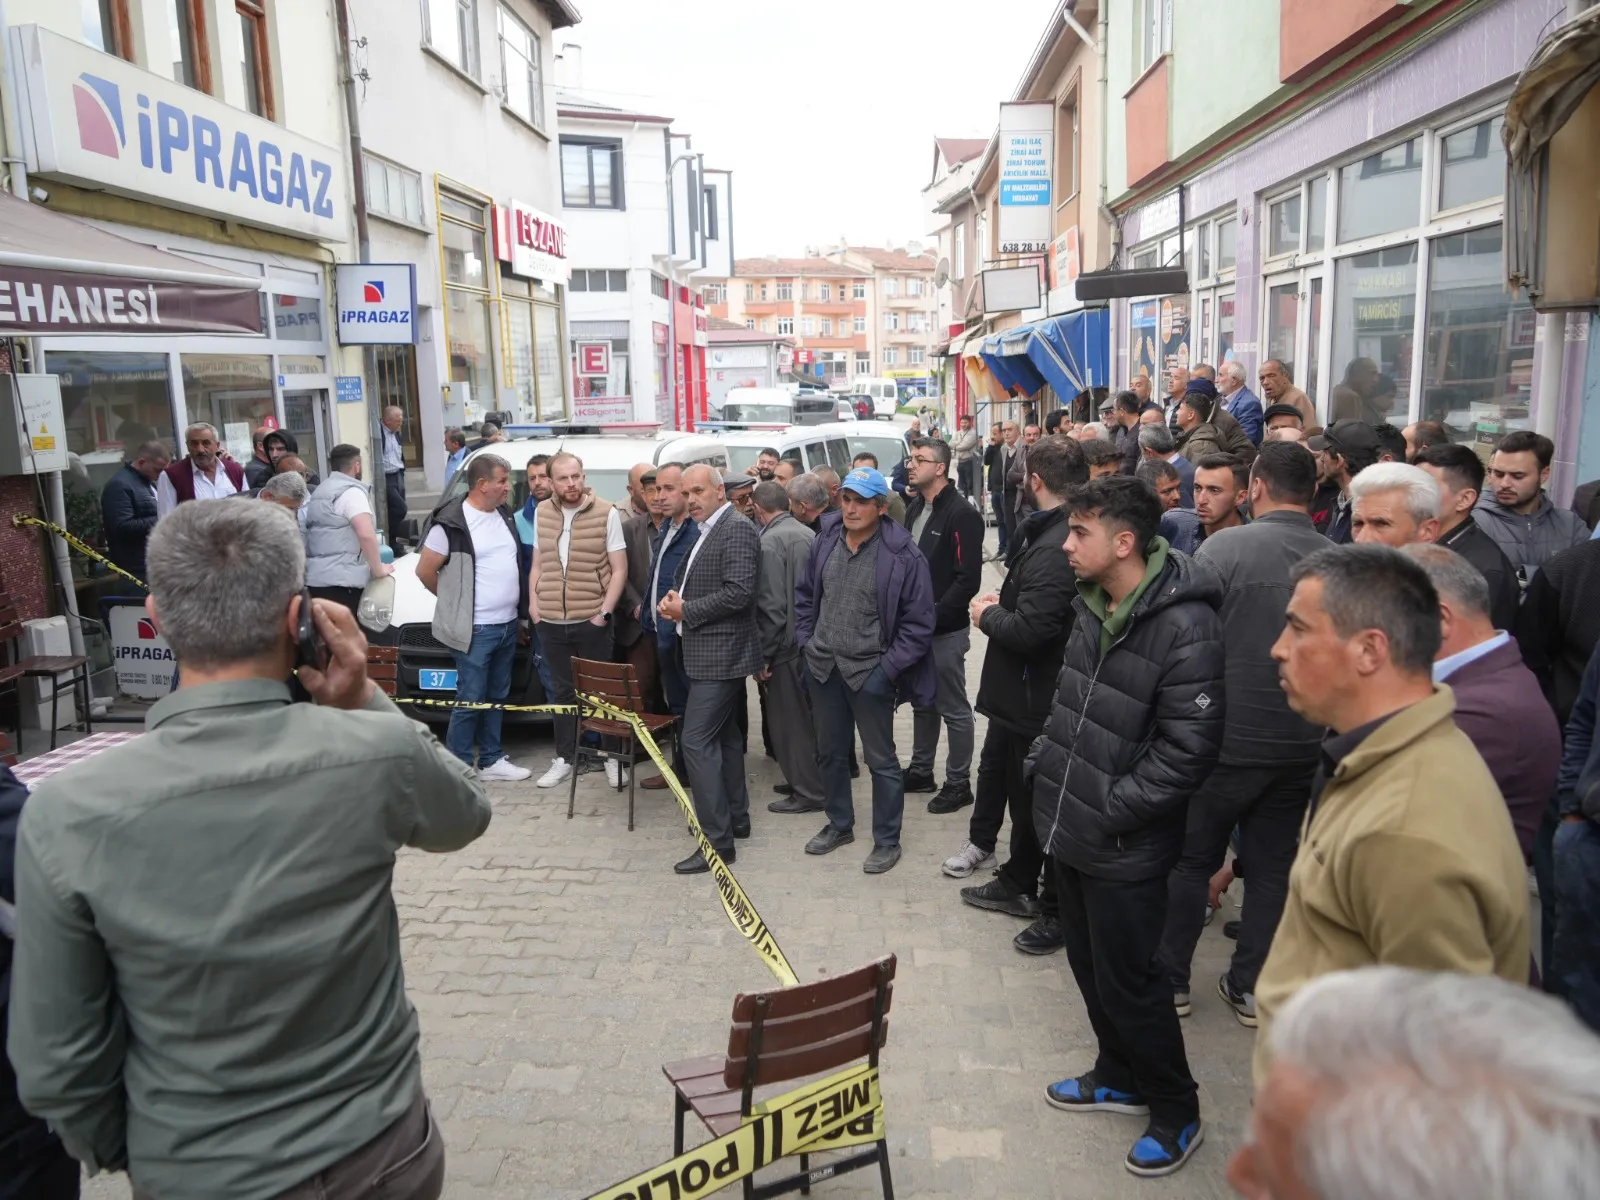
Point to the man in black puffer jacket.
(1135, 728)
(1027, 626)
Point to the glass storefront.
(231, 392)
(1374, 324)
(548, 374)
(471, 360)
(588, 387)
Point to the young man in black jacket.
(1133, 731)
(949, 532)
(1027, 625)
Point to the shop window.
(392, 191)
(1381, 193)
(1479, 364)
(1374, 327)
(232, 393)
(1472, 164)
(1283, 226)
(451, 28)
(547, 359)
(252, 50)
(108, 26)
(112, 403)
(1316, 214)
(471, 364)
(520, 68)
(190, 47)
(1226, 233)
(591, 173)
(617, 383)
(297, 319)
(463, 254)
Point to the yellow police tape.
(741, 911)
(18, 520)
(817, 1116)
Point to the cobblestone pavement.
(556, 964)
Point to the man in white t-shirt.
(342, 554)
(470, 561)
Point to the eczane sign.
(532, 241)
(93, 119)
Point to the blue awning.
(1006, 355)
(1071, 353)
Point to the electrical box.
(33, 435)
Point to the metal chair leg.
(678, 1109)
(88, 705)
(55, 705)
(572, 784)
(883, 1170)
(633, 746)
(805, 1167)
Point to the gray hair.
(1440, 1085)
(1233, 370)
(222, 576)
(1376, 587)
(770, 496)
(1157, 438)
(211, 429)
(1453, 577)
(291, 485)
(826, 475)
(808, 490)
(1097, 428)
(1421, 489)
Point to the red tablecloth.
(45, 765)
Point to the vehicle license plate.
(437, 681)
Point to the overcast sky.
(825, 112)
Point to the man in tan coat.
(1407, 856)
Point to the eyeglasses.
(927, 462)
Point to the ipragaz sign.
(93, 119)
(377, 303)
(1027, 156)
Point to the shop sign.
(96, 120)
(143, 658)
(785, 359)
(377, 303)
(533, 242)
(594, 358)
(603, 409)
(1027, 153)
(35, 300)
(347, 389)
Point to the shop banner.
(39, 300)
(144, 660)
(1027, 155)
(532, 241)
(377, 303)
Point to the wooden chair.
(616, 685)
(778, 1039)
(40, 666)
(383, 668)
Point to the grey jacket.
(208, 986)
(719, 601)
(333, 551)
(458, 578)
(1253, 561)
(965, 445)
(785, 546)
(1531, 541)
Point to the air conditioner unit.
(48, 636)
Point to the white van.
(832, 444)
(885, 397)
(746, 405)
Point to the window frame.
(890, 356)
(117, 40)
(709, 222)
(1153, 17)
(386, 213)
(199, 43)
(858, 290)
(472, 53)
(789, 321)
(535, 65)
(590, 145)
(785, 289)
(259, 49)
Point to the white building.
(462, 174)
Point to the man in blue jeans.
(470, 560)
(1572, 968)
(864, 622)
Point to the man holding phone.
(276, 1050)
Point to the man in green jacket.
(207, 990)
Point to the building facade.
(902, 313)
(744, 358)
(824, 307)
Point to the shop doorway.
(393, 371)
(306, 416)
(1294, 327)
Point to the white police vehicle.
(831, 444)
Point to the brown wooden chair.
(383, 668)
(616, 684)
(779, 1039)
(40, 666)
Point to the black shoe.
(1044, 936)
(795, 804)
(696, 863)
(855, 770)
(783, 789)
(952, 797)
(829, 839)
(1230, 929)
(920, 781)
(741, 829)
(999, 895)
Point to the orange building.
(824, 306)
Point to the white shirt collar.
(1448, 666)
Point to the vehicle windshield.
(757, 412)
(608, 485)
(742, 458)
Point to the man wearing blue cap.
(864, 622)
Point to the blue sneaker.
(1084, 1094)
(1160, 1152)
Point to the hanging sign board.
(377, 304)
(1027, 156)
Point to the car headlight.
(376, 611)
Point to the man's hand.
(979, 604)
(1218, 885)
(764, 674)
(383, 570)
(600, 619)
(671, 606)
(638, 611)
(343, 683)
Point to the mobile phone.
(309, 648)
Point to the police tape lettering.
(805, 1120)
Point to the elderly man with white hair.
(202, 474)
(1239, 400)
(1394, 1084)
(1394, 504)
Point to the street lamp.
(672, 292)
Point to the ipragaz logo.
(372, 291)
(374, 308)
(147, 629)
(99, 107)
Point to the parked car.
(815, 408)
(744, 405)
(885, 396)
(834, 444)
(427, 668)
(862, 403)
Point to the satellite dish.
(941, 273)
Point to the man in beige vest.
(580, 566)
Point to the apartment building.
(826, 307)
(902, 311)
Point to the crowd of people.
(1351, 667)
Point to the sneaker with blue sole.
(1161, 1152)
(1085, 1094)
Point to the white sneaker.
(560, 771)
(616, 773)
(505, 770)
(967, 860)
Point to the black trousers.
(1113, 935)
(1268, 805)
(394, 483)
(33, 1163)
(562, 643)
(1002, 788)
(350, 597)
